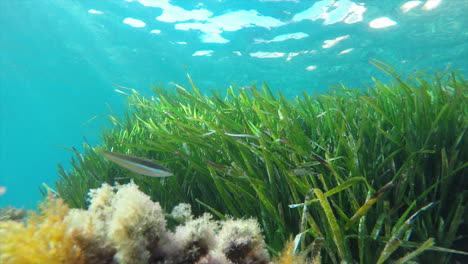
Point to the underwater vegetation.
(122, 225)
(375, 175)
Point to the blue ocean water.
(60, 59)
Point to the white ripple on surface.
(231, 21)
(311, 67)
(210, 32)
(332, 42)
(276, 54)
(203, 53)
(345, 51)
(236, 20)
(382, 22)
(173, 14)
(93, 11)
(283, 37)
(316, 11)
(294, 54)
(267, 55)
(134, 22)
(332, 12)
(408, 6)
(432, 4)
(152, 3)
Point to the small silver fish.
(138, 165)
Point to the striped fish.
(138, 165)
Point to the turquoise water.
(60, 59)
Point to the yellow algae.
(44, 238)
(289, 257)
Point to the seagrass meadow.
(377, 175)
